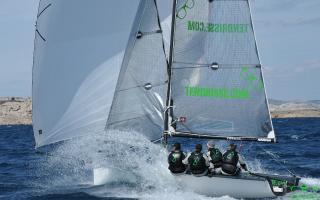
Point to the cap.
(210, 144)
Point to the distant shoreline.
(18, 111)
(15, 111)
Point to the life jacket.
(197, 163)
(229, 162)
(175, 162)
(216, 157)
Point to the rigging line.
(157, 140)
(37, 31)
(277, 160)
(44, 10)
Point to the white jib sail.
(141, 89)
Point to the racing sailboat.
(216, 90)
(211, 86)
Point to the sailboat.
(206, 84)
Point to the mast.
(168, 101)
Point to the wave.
(311, 181)
(69, 168)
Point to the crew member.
(215, 158)
(197, 161)
(175, 159)
(232, 162)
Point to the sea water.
(65, 170)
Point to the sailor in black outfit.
(197, 161)
(175, 159)
(232, 161)
(215, 158)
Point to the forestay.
(77, 58)
(141, 89)
(217, 82)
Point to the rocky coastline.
(18, 111)
(15, 111)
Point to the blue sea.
(65, 170)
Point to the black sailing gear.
(175, 162)
(230, 160)
(197, 163)
(216, 157)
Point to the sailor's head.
(198, 148)
(232, 146)
(177, 146)
(210, 144)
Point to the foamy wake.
(70, 167)
(71, 164)
(311, 181)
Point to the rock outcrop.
(15, 111)
(294, 109)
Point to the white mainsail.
(217, 85)
(77, 59)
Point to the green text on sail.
(223, 93)
(218, 28)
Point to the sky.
(287, 33)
